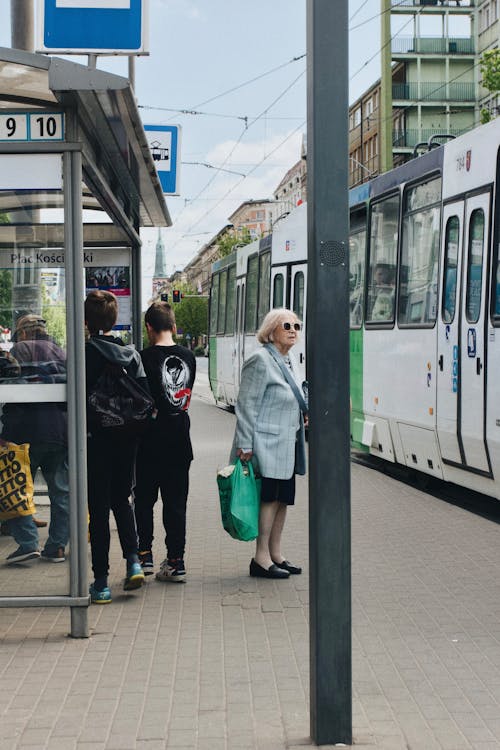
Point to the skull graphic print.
(175, 379)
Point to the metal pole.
(328, 372)
(77, 447)
(22, 25)
(131, 71)
(386, 88)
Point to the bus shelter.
(77, 181)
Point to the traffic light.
(176, 295)
(164, 297)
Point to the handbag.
(16, 482)
(239, 496)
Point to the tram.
(424, 310)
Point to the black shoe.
(257, 571)
(294, 570)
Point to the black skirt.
(282, 490)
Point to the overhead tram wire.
(207, 213)
(240, 138)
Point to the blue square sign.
(164, 144)
(92, 26)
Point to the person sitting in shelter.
(44, 426)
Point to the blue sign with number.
(93, 25)
(164, 144)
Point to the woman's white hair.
(271, 322)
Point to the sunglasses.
(288, 326)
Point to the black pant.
(157, 468)
(110, 471)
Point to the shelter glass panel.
(33, 413)
(383, 260)
(298, 294)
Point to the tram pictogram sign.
(164, 144)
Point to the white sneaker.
(172, 570)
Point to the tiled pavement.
(221, 663)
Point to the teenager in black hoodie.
(110, 453)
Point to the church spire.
(160, 258)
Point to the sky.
(204, 57)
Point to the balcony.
(410, 138)
(409, 45)
(439, 3)
(430, 91)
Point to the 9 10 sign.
(31, 126)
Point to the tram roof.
(119, 172)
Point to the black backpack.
(118, 401)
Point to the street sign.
(164, 144)
(31, 126)
(104, 27)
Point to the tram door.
(298, 305)
(473, 341)
(461, 394)
(449, 333)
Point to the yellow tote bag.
(16, 482)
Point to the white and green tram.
(425, 310)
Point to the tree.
(191, 315)
(55, 317)
(490, 70)
(228, 242)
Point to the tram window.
(251, 298)
(298, 294)
(278, 290)
(214, 303)
(221, 318)
(231, 299)
(420, 256)
(475, 266)
(264, 286)
(357, 264)
(450, 269)
(383, 260)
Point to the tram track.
(475, 502)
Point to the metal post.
(136, 296)
(22, 25)
(131, 71)
(386, 88)
(328, 372)
(77, 448)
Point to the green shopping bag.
(239, 494)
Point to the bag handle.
(288, 377)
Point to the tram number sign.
(31, 126)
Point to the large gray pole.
(22, 25)
(328, 372)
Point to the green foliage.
(490, 69)
(6, 299)
(199, 351)
(55, 316)
(191, 315)
(227, 243)
(485, 116)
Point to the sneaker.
(102, 596)
(56, 557)
(146, 560)
(20, 555)
(134, 577)
(172, 570)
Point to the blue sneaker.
(134, 577)
(21, 555)
(99, 597)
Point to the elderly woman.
(270, 431)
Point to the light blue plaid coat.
(269, 421)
